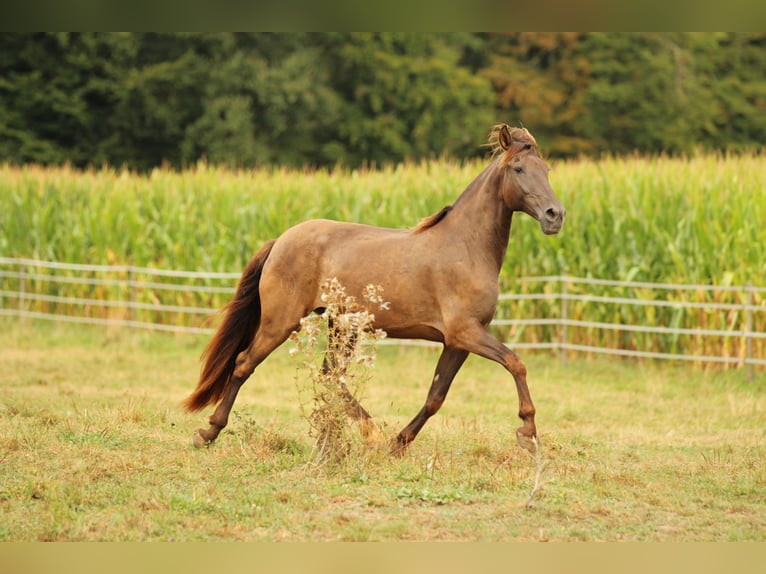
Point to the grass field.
(94, 446)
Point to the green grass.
(94, 446)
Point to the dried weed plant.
(338, 349)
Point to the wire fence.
(712, 324)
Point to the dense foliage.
(142, 100)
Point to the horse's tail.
(243, 315)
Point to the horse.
(440, 279)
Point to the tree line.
(321, 99)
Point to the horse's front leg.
(447, 367)
(527, 433)
(477, 339)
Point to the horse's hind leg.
(353, 408)
(335, 361)
(263, 344)
(449, 364)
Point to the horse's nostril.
(551, 213)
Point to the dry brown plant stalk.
(338, 349)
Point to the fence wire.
(723, 324)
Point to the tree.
(405, 96)
(267, 101)
(734, 63)
(55, 89)
(645, 94)
(249, 99)
(537, 79)
(160, 95)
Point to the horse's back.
(356, 254)
(319, 249)
(328, 230)
(325, 240)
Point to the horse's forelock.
(520, 137)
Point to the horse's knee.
(516, 366)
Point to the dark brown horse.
(440, 279)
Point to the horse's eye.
(518, 169)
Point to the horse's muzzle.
(553, 220)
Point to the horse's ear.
(504, 136)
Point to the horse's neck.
(481, 219)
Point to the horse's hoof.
(397, 448)
(527, 442)
(199, 440)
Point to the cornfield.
(696, 220)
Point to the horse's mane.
(431, 220)
(519, 136)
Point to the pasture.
(94, 446)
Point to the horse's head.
(525, 178)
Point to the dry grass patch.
(636, 451)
